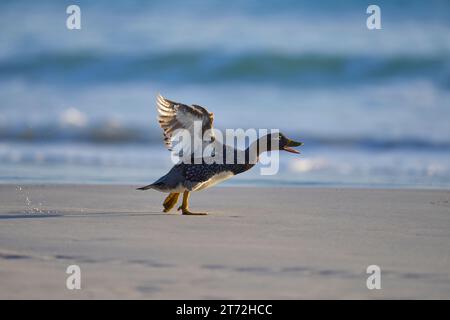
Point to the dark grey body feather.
(189, 176)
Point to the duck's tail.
(150, 186)
(158, 185)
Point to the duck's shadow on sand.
(22, 215)
(28, 216)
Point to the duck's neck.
(251, 155)
(255, 149)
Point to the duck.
(192, 173)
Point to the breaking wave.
(213, 66)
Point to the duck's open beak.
(291, 143)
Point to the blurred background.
(372, 106)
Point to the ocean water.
(372, 106)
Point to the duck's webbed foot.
(170, 201)
(185, 209)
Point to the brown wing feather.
(174, 115)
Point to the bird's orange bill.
(292, 143)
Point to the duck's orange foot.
(186, 211)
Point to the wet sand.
(270, 243)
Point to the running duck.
(201, 173)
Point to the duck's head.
(278, 141)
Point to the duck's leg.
(170, 201)
(185, 206)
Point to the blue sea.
(371, 106)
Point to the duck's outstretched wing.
(173, 116)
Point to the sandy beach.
(266, 243)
